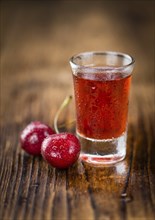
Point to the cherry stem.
(63, 105)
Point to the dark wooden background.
(37, 40)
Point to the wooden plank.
(79, 199)
(140, 173)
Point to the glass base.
(105, 151)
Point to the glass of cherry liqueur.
(102, 84)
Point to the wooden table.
(37, 40)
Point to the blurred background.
(39, 37)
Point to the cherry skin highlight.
(61, 150)
(33, 135)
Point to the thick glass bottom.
(105, 151)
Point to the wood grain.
(37, 40)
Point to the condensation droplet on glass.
(93, 87)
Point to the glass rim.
(104, 67)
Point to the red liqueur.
(101, 104)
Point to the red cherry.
(33, 135)
(61, 150)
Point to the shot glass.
(101, 87)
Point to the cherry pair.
(60, 150)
